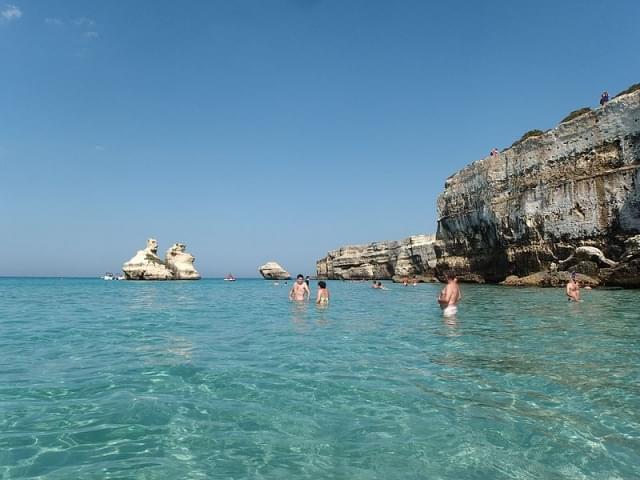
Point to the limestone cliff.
(562, 200)
(531, 205)
(411, 257)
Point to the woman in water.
(323, 294)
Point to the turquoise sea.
(209, 379)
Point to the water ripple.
(215, 380)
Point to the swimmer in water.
(300, 290)
(323, 294)
(573, 289)
(450, 295)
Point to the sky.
(271, 129)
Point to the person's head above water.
(322, 284)
(450, 275)
(573, 276)
(299, 277)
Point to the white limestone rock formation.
(413, 257)
(591, 254)
(575, 185)
(180, 263)
(273, 271)
(146, 265)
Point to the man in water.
(450, 295)
(573, 289)
(299, 290)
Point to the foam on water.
(213, 379)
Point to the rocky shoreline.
(536, 208)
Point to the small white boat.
(229, 278)
(108, 276)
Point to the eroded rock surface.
(574, 186)
(411, 258)
(549, 279)
(180, 262)
(273, 271)
(560, 201)
(146, 265)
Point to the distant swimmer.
(323, 294)
(299, 290)
(573, 289)
(307, 280)
(450, 295)
(375, 284)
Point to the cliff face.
(531, 205)
(529, 209)
(411, 257)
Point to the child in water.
(323, 294)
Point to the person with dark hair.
(450, 295)
(573, 289)
(323, 294)
(307, 280)
(300, 290)
(604, 98)
(374, 284)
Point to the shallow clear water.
(229, 380)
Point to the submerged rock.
(146, 265)
(181, 263)
(273, 271)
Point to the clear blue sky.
(260, 130)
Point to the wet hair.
(379, 283)
(450, 275)
(300, 276)
(322, 284)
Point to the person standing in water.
(573, 289)
(307, 280)
(450, 295)
(299, 290)
(323, 294)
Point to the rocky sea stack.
(534, 207)
(273, 271)
(147, 265)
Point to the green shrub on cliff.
(632, 88)
(529, 134)
(575, 114)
